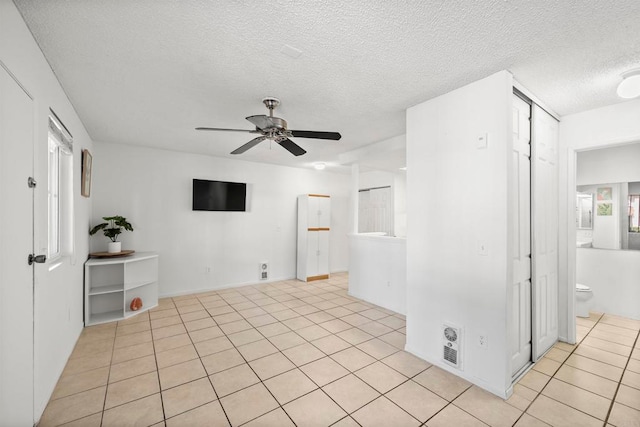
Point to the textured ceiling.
(147, 72)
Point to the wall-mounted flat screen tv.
(219, 196)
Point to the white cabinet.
(111, 284)
(314, 219)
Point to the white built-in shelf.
(111, 283)
(106, 289)
(108, 316)
(130, 286)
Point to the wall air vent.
(263, 270)
(452, 345)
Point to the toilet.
(583, 300)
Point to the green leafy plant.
(113, 227)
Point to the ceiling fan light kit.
(629, 87)
(275, 129)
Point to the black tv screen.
(219, 196)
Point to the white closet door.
(375, 210)
(312, 253)
(545, 231)
(382, 204)
(521, 188)
(324, 211)
(323, 252)
(364, 216)
(313, 207)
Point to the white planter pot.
(115, 247)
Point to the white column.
(353, 205)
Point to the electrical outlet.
(207, 270)
(483, 341)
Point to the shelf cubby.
(111, 284)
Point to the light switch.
(483, 250)
(482, 141)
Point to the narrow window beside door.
(60, 190)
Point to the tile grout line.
(106, 390)
(538, 393)
(319, 291)
(613, 399)
(253, 370)
(155, 358)
(298, 367)
(202, 364)
(581, 388)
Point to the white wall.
(598, 128)
(58, 293)
(152, 188)
(447, 279)
(378, 270)
(613, 278)
(614, 164)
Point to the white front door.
(521, 187)
(545, 231)
(16, 242)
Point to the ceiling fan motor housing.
(270, 102)
(279, 124)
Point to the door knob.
(40, 259)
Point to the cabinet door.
(324, 212)
(312, 211)
(323, 252)
(312, 253)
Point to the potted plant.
(112, 229)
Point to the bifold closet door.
(545, 230)
(313, 241)
(317, 253)
(323, 252)
(521, 208)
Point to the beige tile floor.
(307, 354)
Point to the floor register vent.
(452, 344)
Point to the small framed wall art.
(604, 193)
(87, 159)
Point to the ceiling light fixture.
(629, 87)
(319, 166)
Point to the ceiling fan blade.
(248, 145)
(262, 122)
(229, 130)
(317, 135)
(291, 147)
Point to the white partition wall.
(458, 237)
(464, 232)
